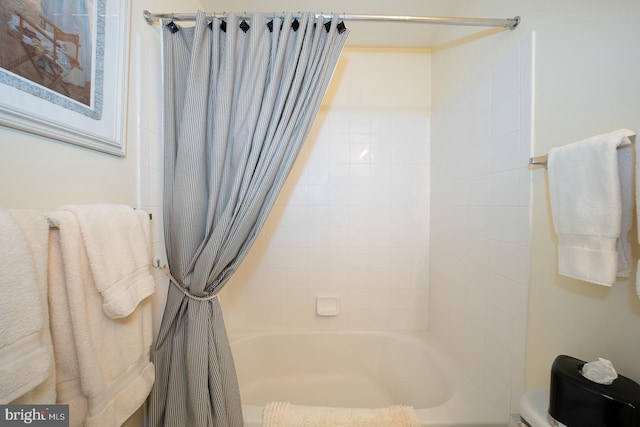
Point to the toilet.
(534, 409)
(573, 399)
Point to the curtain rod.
(510, 23)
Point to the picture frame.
(63, 78)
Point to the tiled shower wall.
(352, 219)
(480, 240)
(351, 222)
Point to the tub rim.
(480, 413)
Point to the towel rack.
(539, 160)
(544, 159)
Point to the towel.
(590, 186)
(117, 240)
(25, 359)
(103, 366)
(284, 414)
(36, 229)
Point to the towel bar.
(539, 160)
(544, 159)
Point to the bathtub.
(357, 370)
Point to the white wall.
(585, 84)
(41, 173)
(352, 219)
(590, 91)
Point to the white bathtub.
(358, 370)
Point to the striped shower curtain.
(240, 97)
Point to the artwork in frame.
(63, 70)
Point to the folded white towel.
(25, 359)
(103, 366)
(36, 229)
(284, 414)
(117, 240)
(590, 186)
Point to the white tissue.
(601, 371)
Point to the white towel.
(25, 359)
(103, 366)
(117, 239)
(590, 185)
(36, 229)
(284, 414)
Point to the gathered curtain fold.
(239, 101)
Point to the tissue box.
(576, 401)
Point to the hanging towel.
(25, 359)
(117, 239)
(284, 414)
(103, 366)
(590, 186)
(36, 229)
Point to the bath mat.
(284, 414)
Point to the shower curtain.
(240, 97)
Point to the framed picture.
(63, 70)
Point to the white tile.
(477, 280)
(277, 319)
(400, 174)
(498, 393)
(509, 260)
(475, 338)
(480, 95)
(508, 296)
(505, 78)
(480, 221)
(381, 152)
(477, 191)
(317, 173)
(339, 174)
(506, 188)
(505, 223)
(526, 62)
(360, 174)
(339, 195)
(476, 311)
(500, 326)
(525, 178)
(155, 188)
(505, 152)
(478, 160)
(338, 153)
(526, 108)
(524, 226)
(144, 187)
(498, 360)
(518, 342)
(476, 251)
(298, 318)
(505, 117)
(360, 152)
